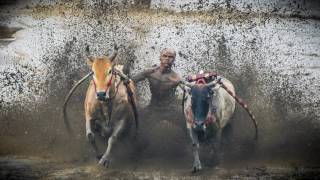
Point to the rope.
(126, 82)
(133, 104)
(65, 117)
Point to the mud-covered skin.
(163, 114)
(163, 80)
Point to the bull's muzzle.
(199, 126)
(101, 96)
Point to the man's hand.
(126, 81)
(124, 78)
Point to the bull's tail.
(245, 106)
(65, 115)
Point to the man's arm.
(139, 77)
(183, 84)
(144, 74)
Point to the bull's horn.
(213, 83)
(114, 54)
(65, 117)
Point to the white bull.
(208, 109)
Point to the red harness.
(205, 77)
(209, 120)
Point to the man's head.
(167, 58)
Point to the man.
(162, 120)
(162, 79)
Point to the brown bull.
(109, 104)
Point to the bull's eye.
(109, 71)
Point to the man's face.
(166, 59)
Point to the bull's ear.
(90, 61)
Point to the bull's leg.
(105, 159)
(217, 146)
(195, 147)
(105, 127)
(102, 129)
(90, 135)
(218, 138)
(227, 134)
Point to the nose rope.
(110, 82)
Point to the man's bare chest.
(160, 80)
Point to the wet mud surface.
(40, 148)
(19, 167)
(161, 151)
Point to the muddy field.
(163, 151)
(38, 168)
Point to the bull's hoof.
(99, 156)
(90, 136)
(104, 162)
(196, 169)
(107, 131)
